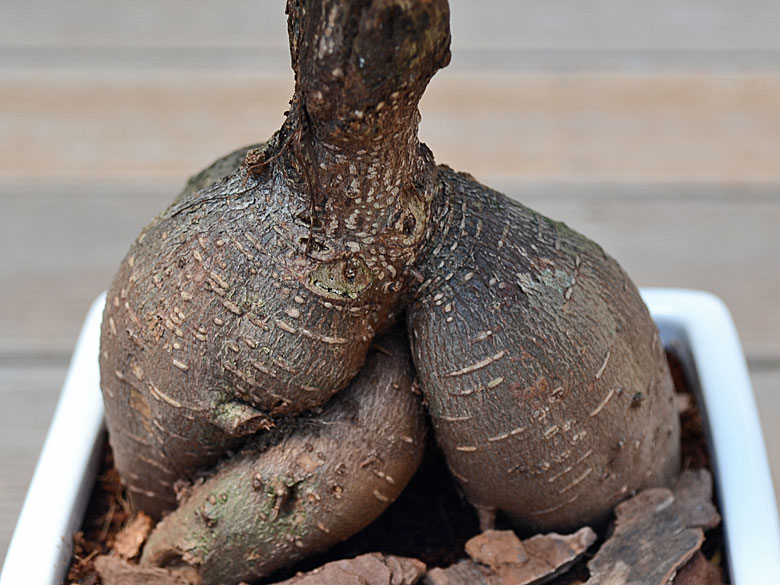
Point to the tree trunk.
(543, 373)
(255, 297)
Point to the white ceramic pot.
(694, 325)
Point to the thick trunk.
(258, 295)
(542, 370)
(255, 298)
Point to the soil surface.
(431, 520)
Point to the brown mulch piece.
(368, 569)
(693, 497)
(498, 557)
(649, 522)
(699, 571)
(116, 571)
(129, 541)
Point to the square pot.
(694, 325)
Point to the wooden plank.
(109, 127)
(92, 23)
(538, 126)
(63, 244)
(509, 35)
(60, 249)
(617, 24)
(28, 395)
(607, 126)
(766, 385)
(606, 24)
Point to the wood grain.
(575, 127)
(608, 24)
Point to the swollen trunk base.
(242, 312)
(542, 370)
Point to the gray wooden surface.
(652, 127)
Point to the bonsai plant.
(257, 339)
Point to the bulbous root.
(543, 373)
(305, 486)
(256, 295)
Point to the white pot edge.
(698, 327)
(41, 545)
(695, 324)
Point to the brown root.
(322, 479)
(542, 370)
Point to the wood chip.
(693, 499)
(699, 571)
(461, 573)
(497, 548)
(129, 540)
(116, 571)
(500, 558)
(684, 402)
(367, 569)
(649, 544)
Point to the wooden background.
(653, 127)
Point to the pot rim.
(698, 328)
